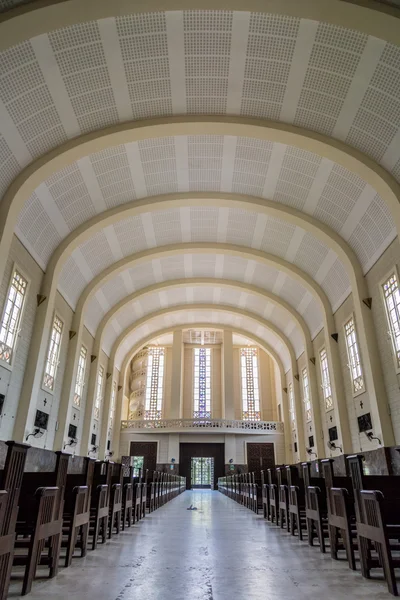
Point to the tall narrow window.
(306, 394)
(326, 380)
(53, 353)
(250, 384)
(202, 383)
(99, 392)
(291, 406)
(12, 316)
(392, 301)
(353, 356)
(80, 376)
(154, 383)
(112, 405)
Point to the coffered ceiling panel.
(193, 315)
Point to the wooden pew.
(316, 508)
(143, 491)
(115, 505)
(341, 513)
(296, 501)
(273, 495)
(76, 514)
(127, 497)
(265, 497)
(10, 485)
(40, 520)
(100, 502)
(283, 497)
(377, 501)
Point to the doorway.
(202, 472)
(190, 450)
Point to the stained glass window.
(391, 294)
(154, 383)
(326, 379)
(12, 316)
(306, 394)
(202, 383)
(250, 384)
(53, 354)
(80, 376)
(99, 393)
(353, 356)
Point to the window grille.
(99, 392)
(202, 383)
(353, 355)
(392, 302)
(250, 384)
(53, 353)
(10, 322)
(154, 383)
(80, 377)
(326, 380)
(306, 394)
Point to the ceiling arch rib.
(281, 173)
(209, 249)
(240, 271)
(216, 315)
(25, 185)
(205, 291)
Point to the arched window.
(250, 384)
(154, 383)
(202, 383)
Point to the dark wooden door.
(148, 450)
(260, 457)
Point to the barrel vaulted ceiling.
(318, 76)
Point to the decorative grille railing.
(272, 426)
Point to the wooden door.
(260, 457)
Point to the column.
(177, 376)
(228, 408)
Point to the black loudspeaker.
(2, 400)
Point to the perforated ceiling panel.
(200, 316)
(319, 187)
(316, 91)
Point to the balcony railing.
(208, 424)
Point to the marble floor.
(221, 551)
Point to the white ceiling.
(325, 78)
(202, 294)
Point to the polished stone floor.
(221, 551)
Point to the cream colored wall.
(167, 382)
(237, 399)
(11, 378)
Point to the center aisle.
(220, 551)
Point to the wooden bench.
(127, 497)
(341, 513)
(10, 485)
(283, 497)
(273, 495)
(316, 508)
(40, 520)
(115, 505)
(296, 501)
(377, 501)
(265, 497)
(100, 502)
(76, 515)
